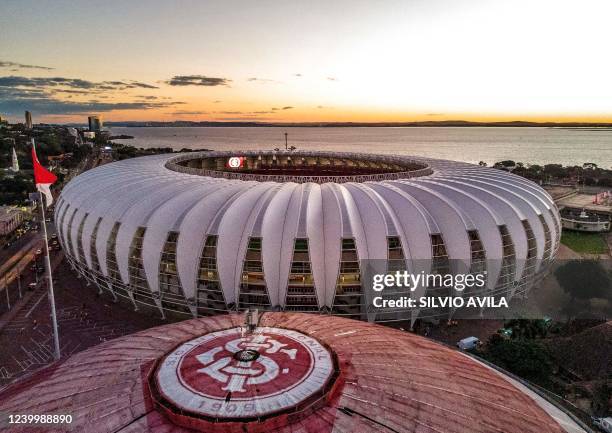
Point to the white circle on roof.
(235, 162)
(225, 374)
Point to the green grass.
(590, 243)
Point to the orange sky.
(310, 61)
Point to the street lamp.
(8, 299)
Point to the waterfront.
(535, 145)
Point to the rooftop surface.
(585, 201)
(386, 380)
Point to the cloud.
(288, 107)
(217, 102)
(71, 91)
(262, 80)
(297, 75)
(54, 95)
(16, 66)
(243, 118)
(10, 93)
(197, 80)
(55, 106)
(15, 100)
(435, 114)
(57, 83)
(332, 79)
(17, 81)
(187, 113)
(122, 85)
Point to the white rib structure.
(131, 209)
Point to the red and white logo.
(235, 162)
(230, 375)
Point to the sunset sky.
(306, 61)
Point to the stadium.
(203, 233)
(281, 372)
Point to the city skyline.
(316, 62)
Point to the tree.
(584, 279)
(506, 164)
(600, 403)
(15, 189)
(525, 358)
(527, 329)
(554, 170)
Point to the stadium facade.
(203, 233)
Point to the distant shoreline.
(450, 123)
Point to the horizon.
(331, 123)
(357, 62)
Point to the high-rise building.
(95, 123)
(28, 120)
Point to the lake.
(471, 144)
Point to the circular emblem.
(229, 374)
(235, 162)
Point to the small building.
(584, 221)
(585, 212)
(10, 219)
(55, 161)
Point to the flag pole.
(49, 276)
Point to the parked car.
(468, 343)
(604, 424)
(32, 286)
(38, 252)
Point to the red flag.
(43, 178)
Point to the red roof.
(383, 380)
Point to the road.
(84, 317)
(15, 271)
